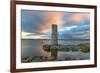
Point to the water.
(32, 47)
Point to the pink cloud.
(57, 18)
(49, 19)
(78, 17)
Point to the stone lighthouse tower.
(54, 42)
(54, 37)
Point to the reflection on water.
(34, 48)
(76, 55)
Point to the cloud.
(81, 28)
(81, 33)
(49, 19)
(76, 18)
(71, 25)
(26, 35)
(68, 28)
(83, 36)
(74, 35)
(77, 32)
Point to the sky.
(37, 24)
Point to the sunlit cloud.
(49, 19)
(71, 27)
(78, 17)
(23, 34)
(67, 28)
(26, 35)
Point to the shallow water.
(35, 48)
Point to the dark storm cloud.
(81, 31)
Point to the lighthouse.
(54, 36)
(54, 41)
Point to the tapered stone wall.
(54, 36)
(54, 41)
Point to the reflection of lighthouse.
(54, 41)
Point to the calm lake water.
(35, 48)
